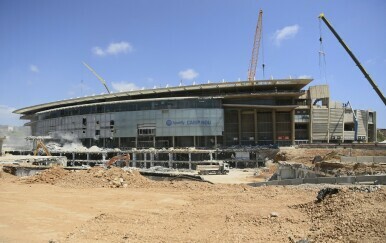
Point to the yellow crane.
(256, 47)
(97, 75)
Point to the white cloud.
(304, 77)
(188, 74)
(8, 118)
(285, 33)
(33, 68)
(113, 49)
(124, 86)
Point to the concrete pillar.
(151, 159)
(171, 159)
(190, 159)
(73, 157)
(119, 142)
(103, 156)
(136, 142)
(154, 142)
(255, 119)
(293, 127)
(134, 160)
(274, 126)
(88, 156)
(215, 141)
(239, 119)
(173, 142)
(210, 156)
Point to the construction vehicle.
(367, 76)
(40, 144)
(256, 47)
(119, 160)
(220, 168)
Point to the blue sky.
(136, 44)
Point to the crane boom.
(256, 47)
(96, 75)
(367, 76)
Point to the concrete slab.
(379, 159)
(365, 159)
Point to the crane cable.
(322, 56)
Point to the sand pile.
(351, 215)
(92, 178)
(50, 176)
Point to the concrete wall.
(363, 159)
(375, 179)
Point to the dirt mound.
(4, 176)
(348, 216)
(50, 176)
(92, 178)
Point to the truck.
(219, 168)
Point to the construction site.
(273, 160)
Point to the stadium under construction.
(213, 115)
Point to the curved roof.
(201, 89)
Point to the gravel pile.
(349, 216)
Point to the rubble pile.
(92, 178)
(351, 215)
(50, 176)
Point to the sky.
(152, 43)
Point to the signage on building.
(189, 122)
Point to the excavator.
(119, 158)
(40, 144)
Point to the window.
(97, 132)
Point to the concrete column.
(194, 141)
(239, 119)
(274, 126)
(134, 160)
(103, 156)
(210, 156)
(173, 142)
(215, 141)
(119, 142)
(154, 142)
(73, 157)
(190, 159)
(88, 156)
(255, 119)
(145, 159)
(293, 127)
(136, 142)
(171, 159)
(151, 159)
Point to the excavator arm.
(122, 157)
(40, 144)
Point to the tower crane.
(367, 76)
(256, 47)
(98, 77)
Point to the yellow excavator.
(122, 157)
(40, 144)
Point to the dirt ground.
(117, 206)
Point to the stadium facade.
(209, 115)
